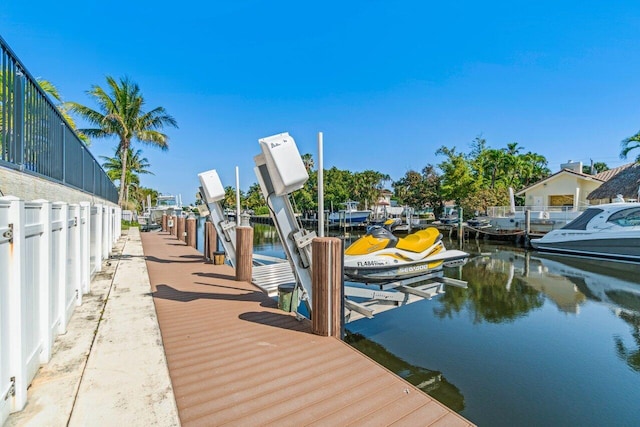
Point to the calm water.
(533, 340)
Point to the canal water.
(534, 340)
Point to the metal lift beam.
(296, 241)
(226, 229)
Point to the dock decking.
(235, 359)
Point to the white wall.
(562, 185)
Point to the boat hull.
(615, 247)
(352, 218)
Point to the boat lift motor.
(280, 171)
(212, 192)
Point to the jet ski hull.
(383, 268)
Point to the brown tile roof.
(608, 174)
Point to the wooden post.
(180, 228)
(527, 226)
(174, 225)
(165, 219)
(244, 253)
(191, 232)
(327, 287)
(211, 240)
(460, 228)
(205, 251)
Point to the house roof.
(555, 175)
(626, 182)
(608, 174)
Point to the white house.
(564, 190)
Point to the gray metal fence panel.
(36, 138)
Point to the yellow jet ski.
(380, 256)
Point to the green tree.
(630, 144)
(409, 190)
(229, 201)
(307, 160)
(458, 180)
(338, 184)
(136, 166)
(121, 114)
(368, 185)
(254, 199)
(432, 191)
(62, 107)
(597, 166)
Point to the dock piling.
(210, 240)
(180, 229)
(191, 232)
(173, 225)
(327, 287)
(244, 253)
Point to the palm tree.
(307, 160)
(120, 114)
(62, 107)
(629, 144)
(136, 165)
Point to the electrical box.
(213, 189)
(284, 163)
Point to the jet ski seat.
(420, 240)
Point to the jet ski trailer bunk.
(280, 171)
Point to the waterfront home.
(553, 201)
(563, 191)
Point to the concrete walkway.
(109, 368)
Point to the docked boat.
(605, 231)
(380, 256)
(166, 204)
(351, 215)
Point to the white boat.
(605, 231)
(165, 204)
(380, 256)
(351, 215)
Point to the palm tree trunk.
(124, 145)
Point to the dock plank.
(235, 359)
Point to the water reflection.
(431, 382)
(607, 283)
(507, 283)
(534, 340)
(493, 295)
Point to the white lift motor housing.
(284, 163)
(212, 186)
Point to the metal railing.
(542, 212)
(35, 138)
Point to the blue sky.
(388, 83)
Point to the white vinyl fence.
(48, 254)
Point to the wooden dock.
(235, 359)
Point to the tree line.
(473, 180)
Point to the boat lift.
(280, 171)
(211, 192)
(268, 272)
